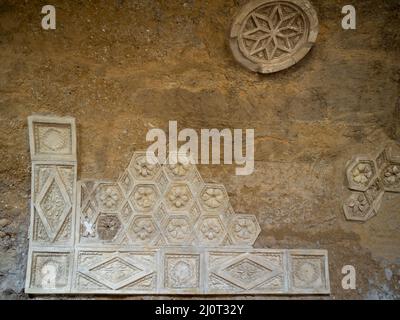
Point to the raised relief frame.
(157, 229)
(268, 36)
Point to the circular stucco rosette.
(269, 35)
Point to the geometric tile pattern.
(369, 178)
(157, 229)
(157, 205)
(269, 35)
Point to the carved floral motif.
(371, 179)
(244, 228)
(359, 206)
(178, 228)
(213, 197)
(144, 228)
(145, 196)
(307, 272)
(269, 36)
(272, 31)
(362, 173)
(109, 197)
(179, 169)
(181, 273)
(144, 168)
(123, 246)
(179, 196)
(210, 228)
(392, 175)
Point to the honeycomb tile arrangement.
(157, 229)
(369, 178)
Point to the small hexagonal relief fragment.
(143, 230)
(360, 173)
(144, 197)
(210, 230)
(181, 169)
(358, 208)
(244, 229)
(108, 226)
(178, 197)
(214, 197)
(141, 168)
(109, 196)
(391, 177)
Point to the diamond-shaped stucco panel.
(126, 182)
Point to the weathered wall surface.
(124, 67)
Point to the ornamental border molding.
(157, 229)
(277, 48)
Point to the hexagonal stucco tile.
(141, 169)
(145, 197)
(210, 230)
(108, 226)
(143, 230)
(360, 172)
(390, 177)
(358, 208)
(178, 197)
(180, 170)
(244, 229)
(214, 198)
(109, 197)
(177, 230)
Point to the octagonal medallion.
(269, 35)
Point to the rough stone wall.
(124, 67)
